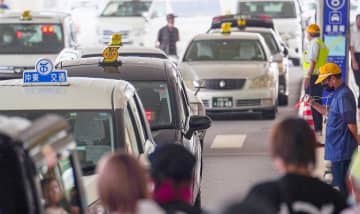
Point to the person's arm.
(354, 63)
(318, 107)
(158, 41)
(177, 35)
(353, 129)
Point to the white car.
(124, 17)
(27, 36)
(192, 17)
(287, 18)
(235, 73)
(104, 115)
(277, 48)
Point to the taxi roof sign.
(44, 74)
(226, 27)
(26, 15)
(111, 52)
(242, 21)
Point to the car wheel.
(283, 100)
(296, 61)
(269, 114)
(198, 200)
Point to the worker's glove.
(307, 98)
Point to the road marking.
(228, 141)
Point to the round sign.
(44, 66)
(335, 4)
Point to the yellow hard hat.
(313, 28)
(327, 70)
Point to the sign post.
(335, 28)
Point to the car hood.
(23, 60)
(116, 24)
(166, 136)
(226, 70)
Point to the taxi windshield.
(275, 9)
(92, 130)
(225, 50)
(125, 8)
(156, 101)
(31, 38)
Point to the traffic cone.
(306, 113)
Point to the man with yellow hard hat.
(315, 57)
(341, 138)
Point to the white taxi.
(104, 114)
(234, 72)
(124, 17)
(27, 36)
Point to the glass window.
(155, 98)
(31, 38)
(130, 135)
(275, 9)
(271, 42)
(125, 8)
(92, 130)
(59, 191)
(225, 50)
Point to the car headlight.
(264, 81)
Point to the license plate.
(222, 102)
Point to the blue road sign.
(44, 74)
(335, 28)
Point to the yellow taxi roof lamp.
(26, 15)
(226, 27)
(116, 40)
(111, 52)
(241, 22)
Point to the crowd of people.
(125, 186)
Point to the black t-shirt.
(168, 39)
(299, 194)
(180, 207)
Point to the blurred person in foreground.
(354, 185)
(341, 138)
(292, 147)
(122, 185)
(172, 167)
(355, 53)
(168, 36)
(53, 195)
(3, 5)
(249, 207)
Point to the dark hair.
(315, 34)
(172, 161)
(357, 16)
(294, 142)
(121, 182)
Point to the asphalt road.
(236, 155)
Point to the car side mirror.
(198, 123)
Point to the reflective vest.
(321, 59)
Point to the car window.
(92, 130)
(141, 115)
(125, 8)
(225, 50)
(131, 139)
(136, 114)
(271, 42)
(59, 188)
(155, 98)
(31, 38)
(275, 9)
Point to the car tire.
(283, 100)
(269, 114)
(198, 200)
(296, 61)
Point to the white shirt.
(313, 51)
(355, 39)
